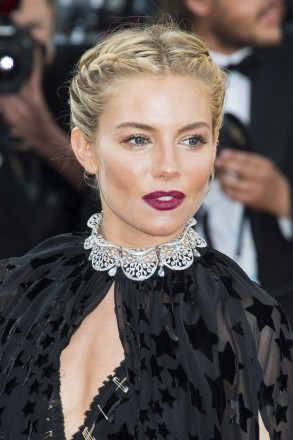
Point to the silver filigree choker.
(140, 264)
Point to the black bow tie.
(246, 66)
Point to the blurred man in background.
(248, 212)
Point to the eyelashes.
(137, 140)
(141, 140)
(194, 141)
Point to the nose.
(166, 164)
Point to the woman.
(191, 347)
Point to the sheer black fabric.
(110, 409)
(205, 349)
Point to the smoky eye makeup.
(194, 141)
(136, 140)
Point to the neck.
(122, 234)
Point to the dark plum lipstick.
(164, 200)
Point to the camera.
(16, 56)
(234, 134)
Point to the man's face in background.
(240, 23)
(38, 17)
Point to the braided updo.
(153, 50)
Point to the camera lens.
(8, 66)
(16, 56)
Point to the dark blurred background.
(79, 20)
(78, 25)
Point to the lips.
(272, 12)
(164, 200)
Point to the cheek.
(117, 174)
(200, 173)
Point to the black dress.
(205, 349)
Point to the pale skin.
(26, 112)
(171, 149)
(227, 26)
(94, 352)
(144, 143)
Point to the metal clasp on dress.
(87, 435)
(120, 384)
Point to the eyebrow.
(194, 126)
(187, 127)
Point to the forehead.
(169, 100)
(30, 8)
(36, 14)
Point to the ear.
(199, 8)
(84, 151)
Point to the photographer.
(39, 182)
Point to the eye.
(136, 140)
(194, 141)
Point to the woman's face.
(155, 151)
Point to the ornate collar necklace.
(140, 264)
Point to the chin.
(270, 38)
(165, 227)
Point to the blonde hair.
(148, 49)
(178, 10)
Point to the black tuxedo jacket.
(272, 135)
